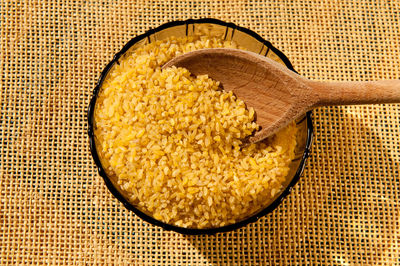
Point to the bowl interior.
(252, 42)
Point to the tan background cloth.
(56, 209)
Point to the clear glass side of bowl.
(248, 42)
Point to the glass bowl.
(245, 38)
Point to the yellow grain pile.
(174, 141)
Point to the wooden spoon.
(277, 94)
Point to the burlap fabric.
(55, 209)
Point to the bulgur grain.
(173, 141)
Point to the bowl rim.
(125, 202)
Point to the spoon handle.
(355, 92)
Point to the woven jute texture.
(55, 208)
